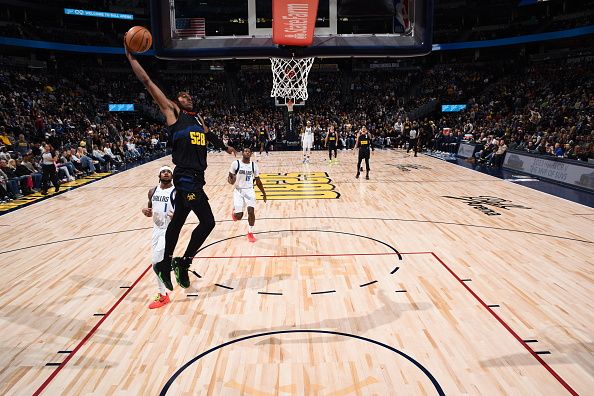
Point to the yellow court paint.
(38, 196)
(297, 186)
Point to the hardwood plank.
(75, 255)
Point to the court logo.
(482, 201)
(408, 167)
(297, 185)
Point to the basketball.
(138, 39)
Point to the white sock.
(250, 229)
(161, 286)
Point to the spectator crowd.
(61, 116)
(67, 118)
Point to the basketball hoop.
(289, 77)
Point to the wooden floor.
(485, 300)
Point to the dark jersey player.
(188, 136)
(263, 139)
(331, 142)
(365, 147)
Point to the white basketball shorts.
(243, 197)
(307, 143)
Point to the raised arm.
(167, 107)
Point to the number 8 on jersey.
(198, 138)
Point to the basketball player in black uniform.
(330, 142)
(263, 139)
(188, 136)
(365, 147)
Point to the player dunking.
(330, 142)
(365, 147)
(188, 137)
(160, 208)
(242, 174)
(307, 139)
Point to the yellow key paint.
(297, 186)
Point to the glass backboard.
(238, 29)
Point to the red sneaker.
(251, 237)
(233, 215)
(159, 301)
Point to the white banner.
(466, 150)
(561, 171)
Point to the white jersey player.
(242, 175)
(307, 139)
(160, 208)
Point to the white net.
(289, 77)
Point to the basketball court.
(427, 279)
(392, 286)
